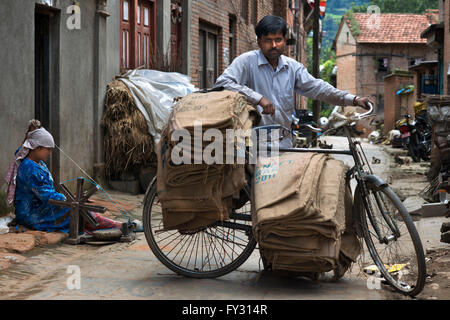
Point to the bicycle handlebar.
(368, 113)
(355, 117)
(314, 129)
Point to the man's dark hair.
(270, 24)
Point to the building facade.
(59, 55)
(368, 50)
(57, 58)
(224, 29)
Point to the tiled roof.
(393, 28)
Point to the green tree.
(400, 6)
(328, 62)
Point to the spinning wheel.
(79, 212)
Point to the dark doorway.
(46, 107)
(42, 69)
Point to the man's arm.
(317, 89)
(235, 77)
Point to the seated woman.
(30, 186)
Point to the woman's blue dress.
(34, 187)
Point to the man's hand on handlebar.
(362, 102)
(268, 107)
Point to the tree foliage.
(399, 6)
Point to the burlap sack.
(350, 244)
(234, 179)
(196, 195)
(300, 228)
(242, 118)
(321, 259)
(331, 193)
(165, 192)
(310, 209)
(287, 175)
(214, 110)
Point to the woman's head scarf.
(36, 138)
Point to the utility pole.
(297, 40)
(316, 61)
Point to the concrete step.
(133, 186)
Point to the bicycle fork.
(363, 194)
(387, 216)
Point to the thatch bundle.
(128, 144)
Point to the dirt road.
(131, 271)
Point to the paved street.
(131, 271)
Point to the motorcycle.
(301, 135)
(424, 130)
(415, 134)
(416, 137)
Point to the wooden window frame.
(207, 28)
(232, 21)
(245, 10)
(141, 39)
(254, 12)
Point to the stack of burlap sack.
(302, 214)
(194, 195)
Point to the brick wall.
(357, 64)
(369, 81)
(393, 102)
(346, 61)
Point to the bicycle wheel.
(392, 239)
(207, 252)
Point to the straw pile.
(128, 144)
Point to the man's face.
(272, 45)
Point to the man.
(269, 79)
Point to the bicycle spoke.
(182, 237)
(192, 251)
(199, 252)
(226, 253)
(234, 242)
(180, 250)
(214, 249)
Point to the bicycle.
(223, 246)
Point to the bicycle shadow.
(274, 280)
(289, 287)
